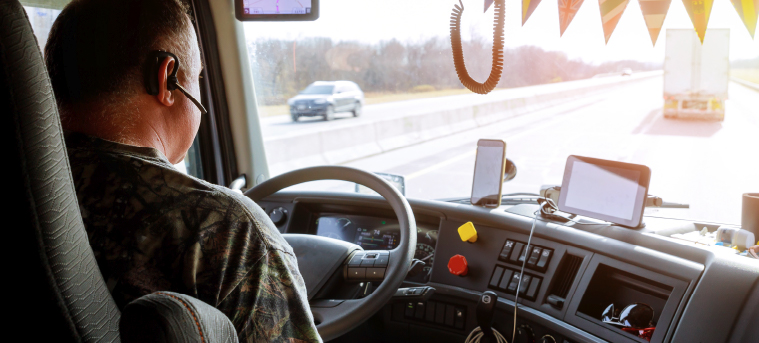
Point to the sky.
(413, 20)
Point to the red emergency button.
(457, 265)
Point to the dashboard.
(573, 273)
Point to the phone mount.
(510, 171)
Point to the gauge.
(425, 253)
(343, 223)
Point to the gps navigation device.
(606, 190)
(277, 10)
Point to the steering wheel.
(319, 258)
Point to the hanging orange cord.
(458, 51)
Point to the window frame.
(214, 139)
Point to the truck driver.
(151, 227)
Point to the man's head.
(96, 55)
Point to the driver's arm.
(244, 267)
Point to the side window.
(42, 20)
(191, 165)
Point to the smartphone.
(488, 172)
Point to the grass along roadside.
(370, 99)
(750, 75)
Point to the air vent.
(564, 278)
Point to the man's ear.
(164, 95)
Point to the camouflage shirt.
(153, 228)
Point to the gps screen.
(606, 190)
(266, 10)
(603, 189)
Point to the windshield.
(559, 95)
(317, 89)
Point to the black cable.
(458, 51)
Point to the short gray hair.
(98, 48)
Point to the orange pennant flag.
(567, 11)
(654, 12)
(699, 11)
(748, 10)
(611, 11)
(528, 6)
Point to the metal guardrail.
(334, 145)
(754, 86)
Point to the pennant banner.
(611, 11)
(528, 6)
(567, 11)
(487, 5)
(654, 12)
(748, 10)
(699, 11)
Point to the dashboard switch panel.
(509, 278)
(516, 252)
(435, 313)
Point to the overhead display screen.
(608, 190)
(274, 10)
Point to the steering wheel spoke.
(327, 316)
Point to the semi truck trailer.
(696, 75)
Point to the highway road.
(283, 125)
(708, 165)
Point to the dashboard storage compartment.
(608, 281)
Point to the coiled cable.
(458, 51)
(476, 336)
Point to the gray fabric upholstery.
(48, 214)
(174, 318)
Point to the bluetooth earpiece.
(150, 73)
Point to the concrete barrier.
(748, 84)
(335, 145)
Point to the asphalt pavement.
(707, 165)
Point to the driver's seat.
(54, 289)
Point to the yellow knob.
(468, 233)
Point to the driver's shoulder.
(240, 210)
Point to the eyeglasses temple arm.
(192, 98)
